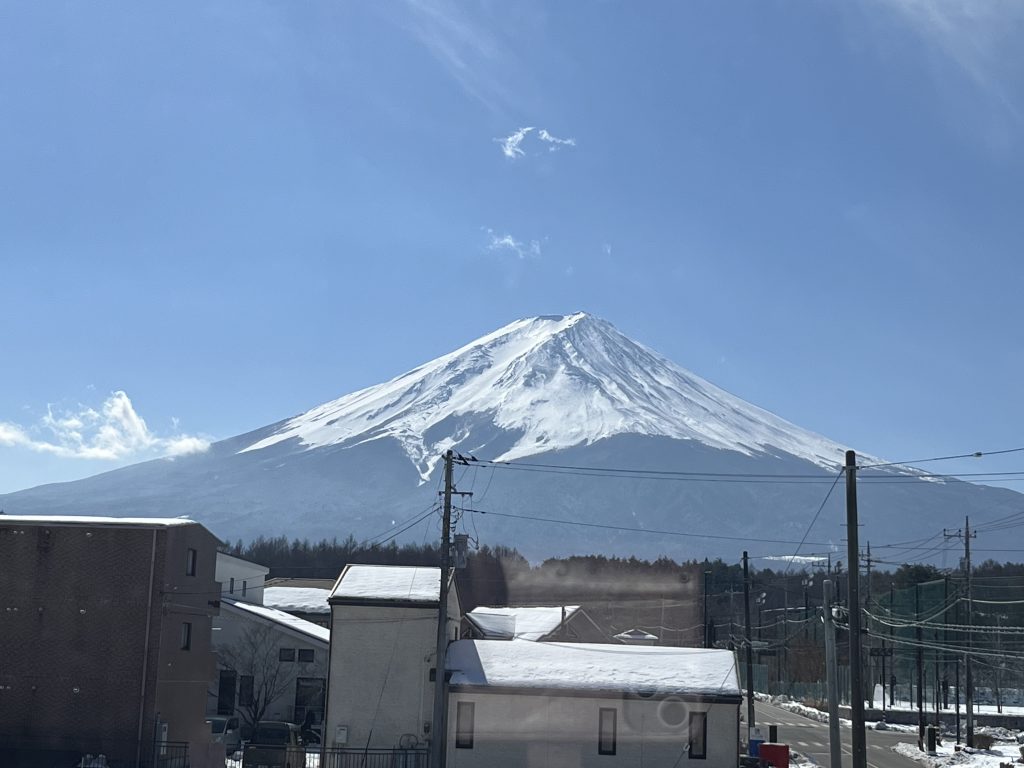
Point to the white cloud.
(555, 142)
(511, 145)
(505, 243)
(114, 432)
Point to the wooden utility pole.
(859, 741)
(438, 726)
(750, 649)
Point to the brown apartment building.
(105, 644)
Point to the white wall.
(538, 731)
(251, 576)
(230, 628)
(380, 687)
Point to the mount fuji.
(666, 452)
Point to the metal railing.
(336, 757)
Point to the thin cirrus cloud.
(507, 244)
(980, 38)
(114, 432)
(512, 145)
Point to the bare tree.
(255, 655)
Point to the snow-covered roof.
(297, 599)
(95, 520)
(531, 623)
(399, 583)
(641, 670)
(308, 628)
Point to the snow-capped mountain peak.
(551, 382)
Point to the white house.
(516, 702)
(272, 665)
(383, 645)
(565, 623)
(521, 703)
(241, 579)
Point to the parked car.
(275, 745)
(226, 731)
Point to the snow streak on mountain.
(556, 382)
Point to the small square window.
(186, 635)
(307, 655)
(606, 731)
(286, 654)
(465, 714)
(190, 562)
(698, 736)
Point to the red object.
(774, 754)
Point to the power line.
(814, 519)
(973, 455)
(580, 523)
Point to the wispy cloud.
(466, 46)
(507, 244)
(555, 142)
(981, 38)
(114, 432)
(511, 145)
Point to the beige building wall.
(545, 731)
(381, 662)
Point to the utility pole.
(438, 725)
(831, 675)
(750, 649)
(966, 535)
(707, 633)
(867, 606)
(920, 668)
(859, 742)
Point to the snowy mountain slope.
(566, 390)
(556, 382)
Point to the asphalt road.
(811, 738)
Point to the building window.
(606, 731)
(286, 654)
(465, 714)
(245, 587)
(306, 655)
(231, 586)
(309, 700)
(698, 735)
(186, 635)
(245, 690)
(226, 692)
(190, 562)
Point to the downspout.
(145, 653)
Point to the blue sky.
(231, 212)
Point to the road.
(811, 738)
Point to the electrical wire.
(537, 518)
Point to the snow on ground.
(783, 702)
(946, 755)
